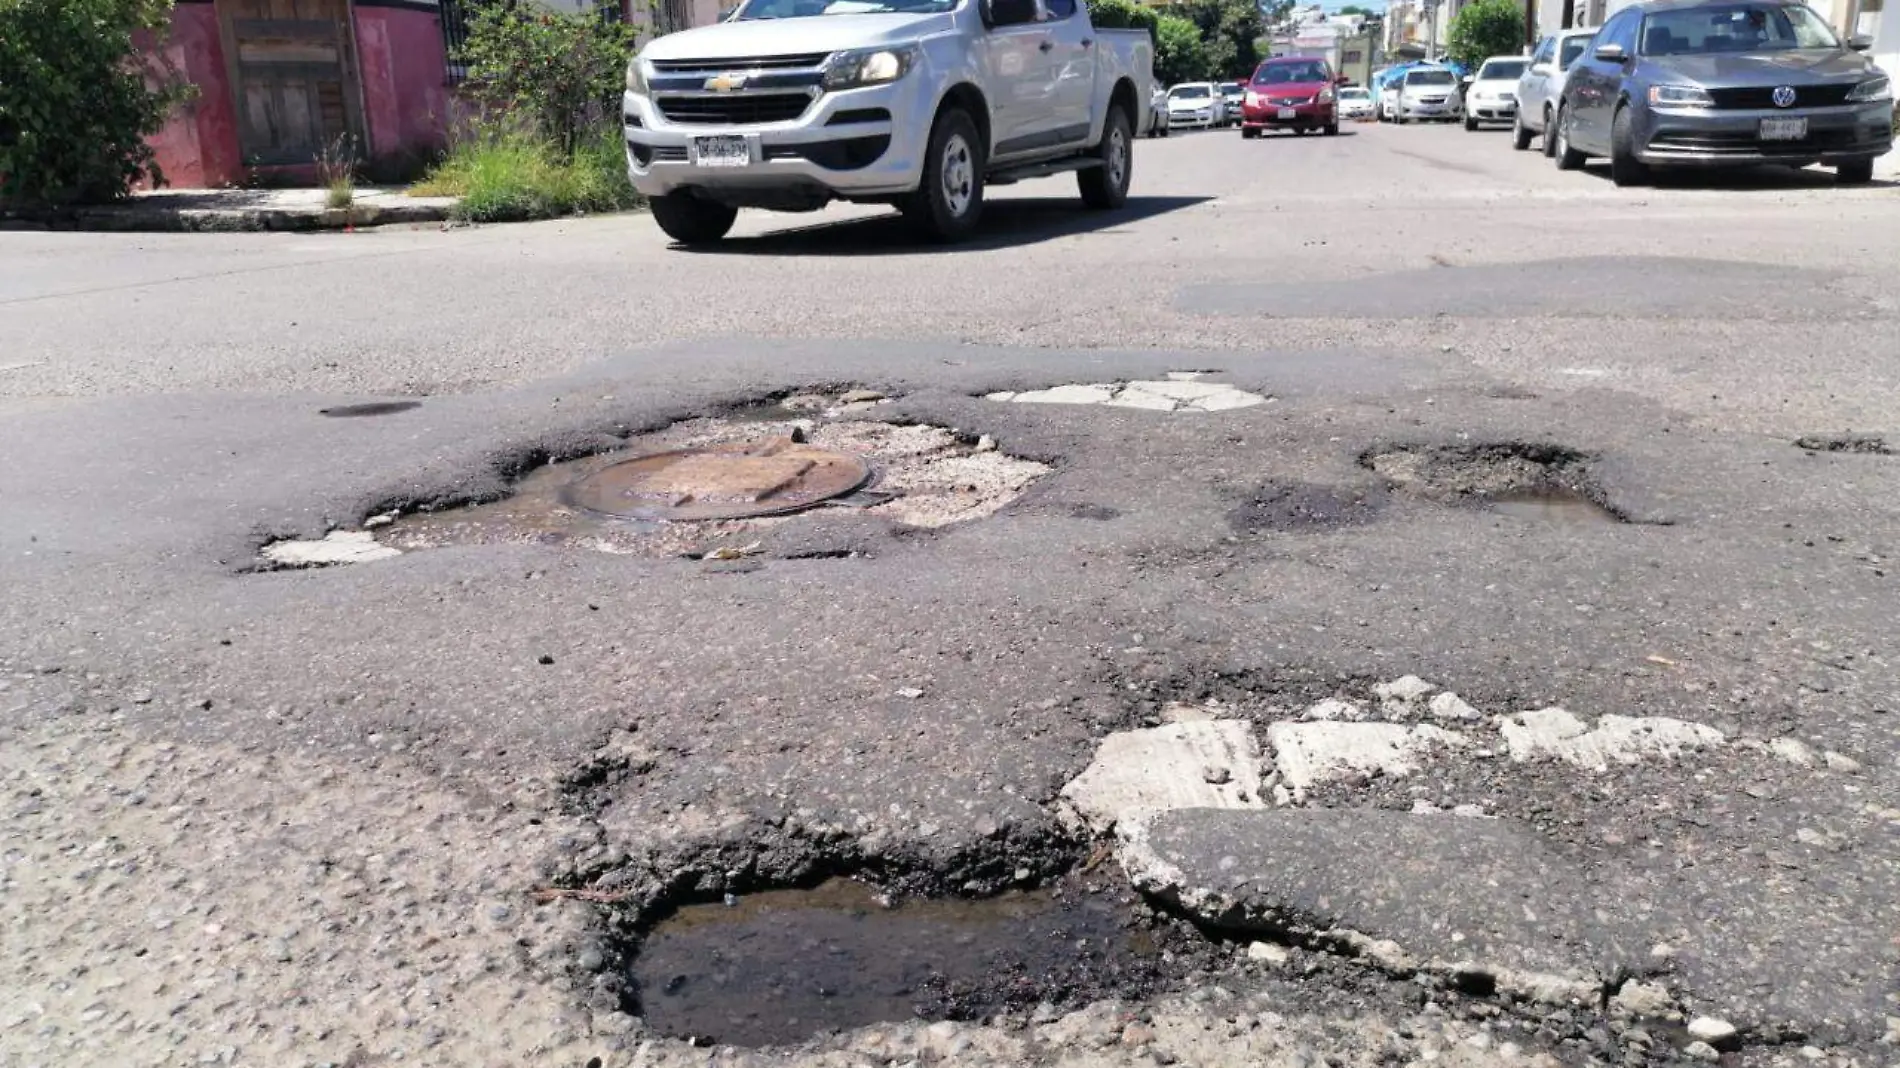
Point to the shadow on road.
(1006, 224)
(1739, 180)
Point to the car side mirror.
(1860, 42)
(1342, 80)
(1540, 68)
(1611, 53)
(1008, 12)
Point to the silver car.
(1715, 83)
(1543, 83)
(1428, 95)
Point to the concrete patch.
(1191, 764)
(1554, 733)
(1177, 394)
(334, 548)
(1307, 754)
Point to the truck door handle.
(1046, 45)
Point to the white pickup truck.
(791, 104)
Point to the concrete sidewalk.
(224, 210)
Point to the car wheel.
(1859, 172)
(1248, 133)
(691, 219)
(1568, 159)
(1471, 125)
(949, 201)
(1332, 129)
(1105, 186)
(1550, 134)
(1399, 117)
(1625, 168)
(1520, 133)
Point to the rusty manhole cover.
(720, 482)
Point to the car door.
(1021, 72)
(1593, 85)
(1074, 62)
(1534, 87)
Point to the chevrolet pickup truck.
(791, 104)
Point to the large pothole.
(782, 966)
(915, 476)
(1523, 480)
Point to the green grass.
(511, 176)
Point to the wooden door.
(294, 75)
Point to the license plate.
(1784, 129)
(1288, 113)
(722, 151)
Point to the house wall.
(199, 146)
(403, 65)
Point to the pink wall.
(199, 147)
(405, 74)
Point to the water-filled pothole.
(782, 966)
(1524, 480)
(1551, 504)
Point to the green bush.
(78, 98)
(1122, 15)
(563, 72)
(1180, 55)
(1485, 28)
(511, 173)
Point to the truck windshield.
(798, 9)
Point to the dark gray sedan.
(1722, 83)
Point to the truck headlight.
(871, 66)
(1680, 96)
(1872, 91)
(636, 77)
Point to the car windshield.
(1429, 77)
(1188, 92)
(1698, 31)
(1572, 48)
(1501, 70)
(1289, 74)
(1354, 94)
(797, 9)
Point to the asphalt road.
(1428, 311)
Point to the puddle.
(1181, 392)
(357, 411)
(1551, 504)
(779, 967)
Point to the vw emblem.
(1784, 96)
(733, 80)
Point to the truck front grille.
(737, 109)
(743, 63)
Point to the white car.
(1158, 112)
(1428, 95)
(1492, 94)
(1195, 104)
(1387, 110)
(1543, 83)
(1354, 102)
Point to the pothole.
(358, 411)
(1866, 444)
(685, 491)
(1523, 480)
(1298, 506)
(782, 966)
(1182, 391)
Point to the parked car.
(919, 103)
(1724, 83)
(1492, 94)
(1158, 112)
(1354, 102)
(1543, 83)
(1387, 109)
(1232, 96)
(1427, 95)
(1194, 104)
(1290, 93)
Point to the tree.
(81, 88)
(1122, 15)
(560, 71)
(1355, 9)
(1179, 54)
(1229, 32)
(1485, 28)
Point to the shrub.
(1485, 28)
(1122, 15)
(78, 97)
(1180, 55)
(562, 72)
(510, 173)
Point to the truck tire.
(1105, 187)
(948, 202)
(1625, 168)
(691, 219)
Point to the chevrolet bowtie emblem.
(725, 83)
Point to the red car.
(1290, 93)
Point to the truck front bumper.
(858, 144)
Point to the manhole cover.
(720, 482)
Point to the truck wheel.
(1106, 186)
(949, 202)
(1859, 172)
(1625, 168)
(1520, 133)
(691, 219)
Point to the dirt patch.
(1526, 480)
(1306, 506)
(1866, 444)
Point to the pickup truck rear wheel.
(949, 202)
(691, 219)
(1106, 186)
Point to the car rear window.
(1501, 70)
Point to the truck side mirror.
(1008, 12)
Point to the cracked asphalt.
(301, 815)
